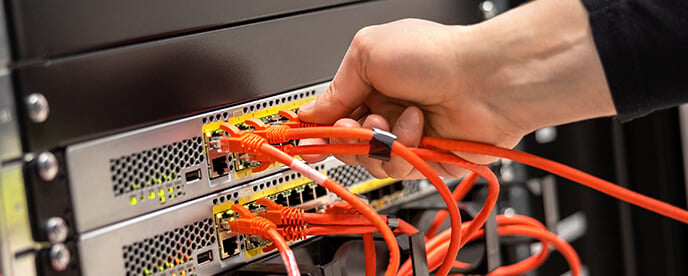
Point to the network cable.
(359, 218)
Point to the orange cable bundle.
(355, 217)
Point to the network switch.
(136, 172)
(190, 238)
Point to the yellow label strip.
(371, 185)
(271, 110)
(263, 193)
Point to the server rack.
(104, 169)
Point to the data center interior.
(113, 117)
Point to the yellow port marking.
(263, 193)
(371, 185)
(209, 128)
(271, 110)
(253, 252)
(277, 189)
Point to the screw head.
(488, 8)
(59, 257)
(546, 135)
(47, 166)
(56, 228)
(37, 107)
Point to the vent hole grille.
(154, 167)
(349, 175)
(167, 250)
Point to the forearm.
(543, 68)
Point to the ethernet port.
(294, 198)
(281, 199)
(387, 190)
(320, 191)
(254, 207)
(219, 165)
(398, 186)
(308, 194)
(230, 247)
(373, 195)
(253, 242)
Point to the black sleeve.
(643, 45)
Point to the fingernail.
(307, 107)
(409, 119)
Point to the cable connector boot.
(281, 215)
(250, 224)
(341, 208)
(293, 232)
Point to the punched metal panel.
(16, 244)
(151, 242)
(126, 175)
(178, 238)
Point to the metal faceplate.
(683, 120)
(170, 241)
(10, 146)
(16, 244)
(121, 248)
(111, 177)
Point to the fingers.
(346, 158)
(348, 89)
(409, 131)
(313, 158)
(374, 166)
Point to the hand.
(476, 83)
(400, 72)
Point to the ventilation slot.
(349, 175)
(168, 250)
(262, 104)
(154, 167)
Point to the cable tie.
(392, 222)
(381, 145)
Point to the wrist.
(540, 66)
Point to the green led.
(163, 199)
(146, 272)
(151, 195)
(134, 186)
(133, 201)
(170, 189)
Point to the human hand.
(491, 82)
(412, 79)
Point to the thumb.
(347, 92)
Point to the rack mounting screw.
(47, 166)
(56, 229)
(59, 257)
(37, 107)
(488, 8)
